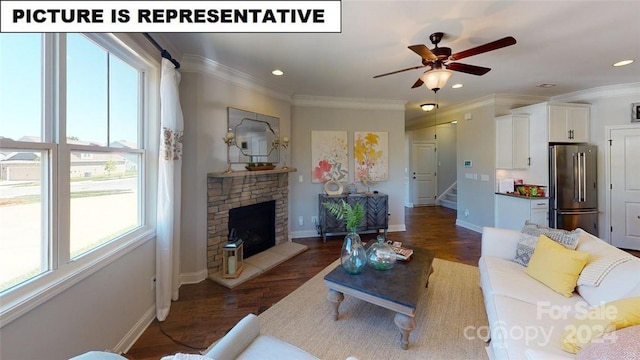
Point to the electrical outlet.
(314, 219)
(466, 212)
(153, 282)
(300, 220)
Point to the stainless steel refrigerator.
(573, 195)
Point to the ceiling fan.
(441, 57)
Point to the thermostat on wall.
(468, 163)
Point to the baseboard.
(313, 233)
(193, 277)
(469, 226)
(303, 234)
(396, 228)
(136, 331)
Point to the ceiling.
(572, 44)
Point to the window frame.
(65, 272)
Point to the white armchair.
(244, 341)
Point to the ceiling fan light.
(428, 107)
(436, 79)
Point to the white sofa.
(527, 318)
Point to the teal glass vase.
(353, 256)
(381, 255)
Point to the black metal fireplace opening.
(255, 225)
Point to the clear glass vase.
(381, 255)
(354, 256)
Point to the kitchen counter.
(514, 194)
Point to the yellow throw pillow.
(582, 332)
(556, 266)
(599, 322)
(621, 313)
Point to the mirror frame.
(236, 154)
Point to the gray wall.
(446, 145)
(94, 314)
(205, 95)
(338, 116)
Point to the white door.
(625, 188)
(423, 176)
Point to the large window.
(72, 155)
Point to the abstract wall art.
(329, 159)
(371, 155)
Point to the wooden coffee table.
(398, 289)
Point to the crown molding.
(348, 103)
(602, 92)
(510, 100)
(200, 64)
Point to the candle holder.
(285, 145)
(228, 139)
(232, 259)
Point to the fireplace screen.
(255, 225)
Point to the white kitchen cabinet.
(512, 142)
(539, 211)
(511, 212)
(569, 123)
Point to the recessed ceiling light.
(623, 63)
(454, 122)
(277, 72)
(456, 86)
(545, 86)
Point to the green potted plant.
(353, 256)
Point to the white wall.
(328, 115)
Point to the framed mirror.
(255, 137)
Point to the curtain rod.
(164, 53)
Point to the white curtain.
(169, 184)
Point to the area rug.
(450, 316)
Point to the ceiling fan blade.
(507, 41)
(417, 84)
(423, 51)
(469, 69)
(398, 71)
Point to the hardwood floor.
(207, 310)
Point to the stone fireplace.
(226, 191)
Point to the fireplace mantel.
(251, 173)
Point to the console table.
(376, 209)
